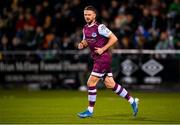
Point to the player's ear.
(95, 16)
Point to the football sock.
(119, 90)
(92, 93)
(90, 109)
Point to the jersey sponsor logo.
(103, 30)
(94, 34)
(107, 31)
(103, 27)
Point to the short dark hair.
(91, 8)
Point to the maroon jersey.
(97, 35)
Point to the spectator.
(164, 43)
(32, 21)
(4, 45)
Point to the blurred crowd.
(57, 24)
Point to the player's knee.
(109, 82)
(92, 82)
(108, 85)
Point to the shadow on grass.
(130, 119)
(149, 120)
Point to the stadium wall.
(70, 69)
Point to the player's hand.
(99, 50)
(80, 46)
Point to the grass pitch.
(62, 107)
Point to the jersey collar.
(92, 24)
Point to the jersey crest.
(94, 34)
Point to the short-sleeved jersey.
(97, 35)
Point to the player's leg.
(120, 91)
(92, 93)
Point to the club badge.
(94, 34)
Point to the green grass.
(62, 107)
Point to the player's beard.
(90, 21)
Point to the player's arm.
(83, 44)
(112, 40)
(104, 31)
